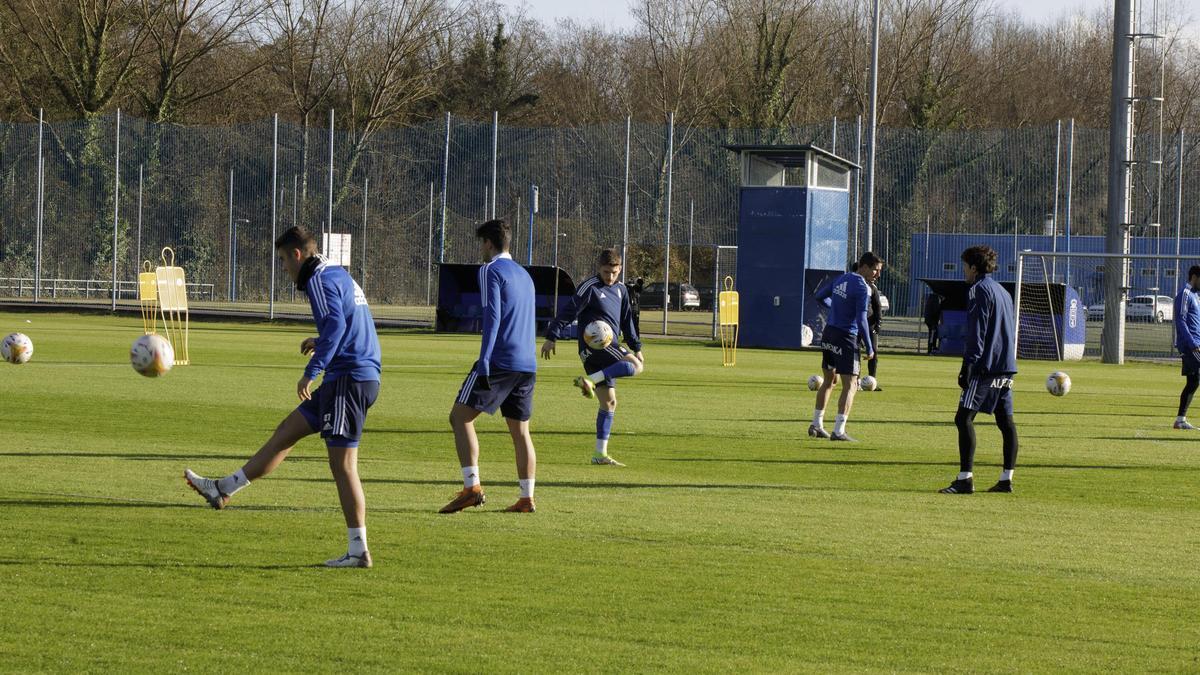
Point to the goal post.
(1061, 303)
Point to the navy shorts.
(509, 392)
(338, 410)
(596, 360)
(991, 395)
(1191, 363)
(840, 351)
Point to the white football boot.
(207, 488)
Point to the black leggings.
(1185, 397)
(965, 421)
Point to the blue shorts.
(338, 410)
(509, 392)
(596, 360)
(991, 395)
(840, 351)
(1191, 363)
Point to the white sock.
(1006, 474)
(597, 378)
(357, 536)
(839, 424)
(233, 482)
(819, 418)
(526, 487)
(601, 447)
(964, 475)
(470, 476)
(1181, 418)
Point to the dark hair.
(609, 256)
(297, 237)
(870, 260)
(497, 232)
(1194, 271)
(982, 258)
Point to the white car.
(1156, 308)
(1095, 312)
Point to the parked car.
(1155, 308)
(680, 296)
(1095, 312)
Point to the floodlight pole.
(495, 156)
(41, 195)
(116, 207)
(625, 211)
(858, 135)
(871, 128)
(274, 215)
(1070, 190)
(1178, 209)
(329, 207)
(1057, 169)
(363, 265)
(445, 180)
(1112, 347)
(667, 267)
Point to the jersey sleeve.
(977, 320)
(489, 287)
(578, 301)
(864, 328)
(825, 292)
(326, 302)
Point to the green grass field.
(731, 542)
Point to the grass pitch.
(730, 542)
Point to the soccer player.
(875, 322)
(988, 366)
(1187, 341)
(503, 377)
(601, 298)
(347, 351)
(848, 297)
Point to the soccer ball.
(815, 382)
(151, 355)
(1059, 383)
(598, 335)
(867, 383)
(17, 348)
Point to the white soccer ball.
(151, 355)
(17, 348)
(1059, 383)
(815, 382)
(867, 383)
(598, 335)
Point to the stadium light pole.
(1070, 191)
(1054, 222)
(667, 262)
(625, 210)
(274, 215)
(1178, 208)
(329, 208)
(858, 141)
(116, 207)
(495, 156)
(445, 180)
(871, 128)
(41, 193)
(1112, 348)
(363, 264)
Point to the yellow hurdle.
(148, 297)
(173, 305)
(728, 323)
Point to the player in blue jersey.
(988, 366)
(347, 352)
(601, 298)
(504, 375)
(1187, 341)
(848, 297)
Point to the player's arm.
(864, 327)
(977, 318)
(1183, 306)
(326, 305)
(490, 293)
(824, 293)
(632, 339)
(564, 319)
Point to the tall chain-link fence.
(410, 197)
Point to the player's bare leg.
(526, 464)
(343, 464)
(845, 403)
(217, 492)
(607, 397)
(466, 443)
(817, 428)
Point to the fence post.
(495, 155)
(1054, 237)
(429, 256)
(116, 207)
(445, 180)
(625, 210)
(229, 259)
(667, 268)
(329, 211)
(1070, 189)
(138, 260)
(41, 192)
(366, 188)
(274, 214)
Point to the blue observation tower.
(793, 228)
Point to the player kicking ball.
(503, 377)
(601, 298)
(1187, 341)
(848, 297)
(988, 366)
(347, 351)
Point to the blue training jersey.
(509, 320)
(990, 346)
(1187, 319)
(348, 344)
(848, 298)
(593, 301)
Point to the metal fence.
(72, 193)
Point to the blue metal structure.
(793, 225)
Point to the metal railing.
(89, 289)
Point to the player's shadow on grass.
(882, 462)
(32, 562)
(150, 456)
(580, 485)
